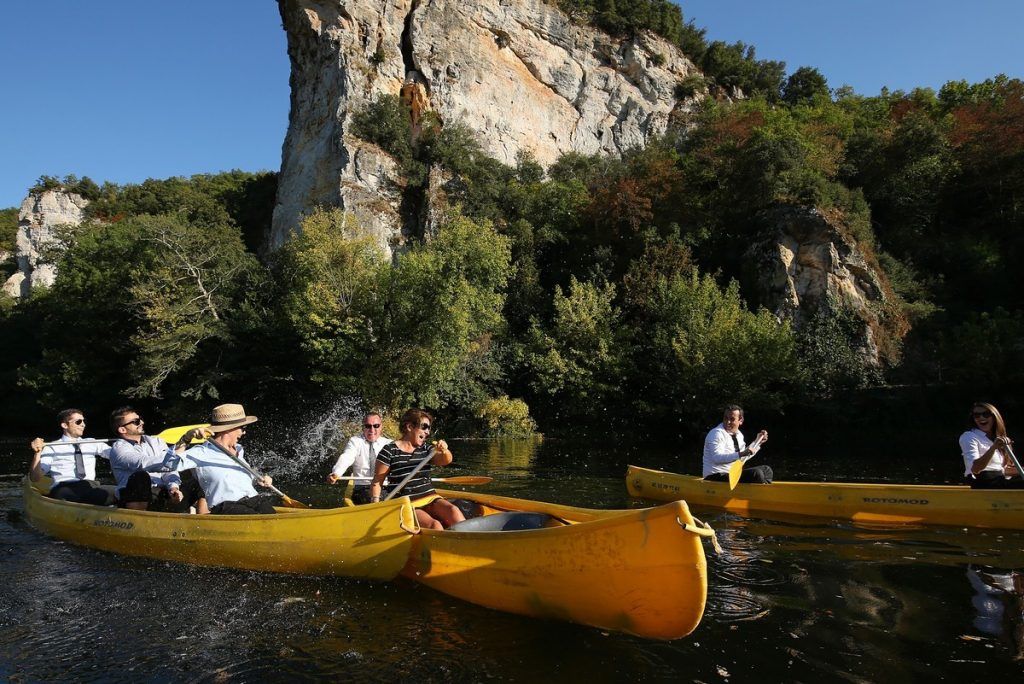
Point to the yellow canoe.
(637, 571)
(860, 502)
(361, 541)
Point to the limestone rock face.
(516, 72)
(40, 216)
(808, 261)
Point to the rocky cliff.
(808, 262)
(40, 216)
(517, 72)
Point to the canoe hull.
(366, 542)
(635, 571)
(861, 502)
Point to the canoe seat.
(509, 521)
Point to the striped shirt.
(401, 463)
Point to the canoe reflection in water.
(999, 600)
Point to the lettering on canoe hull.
(118, 524)
(878, 500)
(666, 487)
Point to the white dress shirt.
(720, 451)
(58, 461)
(360, 454)
(973, 445)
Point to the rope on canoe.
(702, 529)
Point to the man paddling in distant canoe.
(144, 480)
(71, 466)
(725, 445)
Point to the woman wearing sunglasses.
(988, 452)
(401, 457)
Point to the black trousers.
(83, 491)
(761, 474)
(361, 495)
(260, 504)
(140, 489)
(990, 479)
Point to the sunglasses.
(137, 421)
(80, 421)
(371, 426)
(425, 426)
(982, 414)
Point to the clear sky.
(125, 90)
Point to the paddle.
(288, 501)
(736, 469)
(171, 435)
(456, 480)
(1013, 457)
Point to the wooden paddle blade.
(292, 503)
(735, 470)
(172, 434)
(465, 480)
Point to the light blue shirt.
(220, 477)
(150, 454)
(58, 461)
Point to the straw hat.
(228, 417)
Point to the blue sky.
(124, 91)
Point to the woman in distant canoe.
(987, 451)
(398, 459)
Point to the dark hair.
(413, 417)
(65, 416)
(732, 407)
(117, 417)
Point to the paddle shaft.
(172, 431)
(252, 471)
(456, 479)
(1013, 457)
(405, 480)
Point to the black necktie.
(735, 442)
(79, 462)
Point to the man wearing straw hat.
(224, 474)
(70, 464)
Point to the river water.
(788, 600)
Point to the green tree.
(700, 346)
(332, 280)
(804, 85)
(575, 363)
(443, 308)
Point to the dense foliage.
(724, 65)
(579, 295)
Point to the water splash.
(310, 446)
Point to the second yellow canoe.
(861, 502)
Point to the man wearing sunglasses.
(360, 455)
(71, 465)
(141, 465)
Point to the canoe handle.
(702, 529)
(401, 522)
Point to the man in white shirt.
(70, 464)
(360, 455)
(725, 445)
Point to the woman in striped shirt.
(396, 460)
